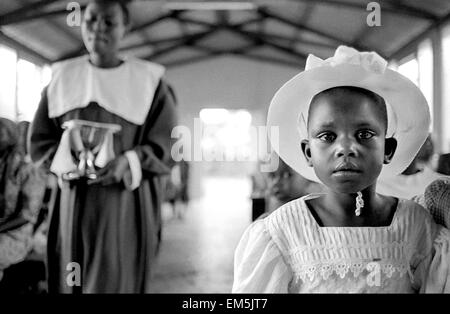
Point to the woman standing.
(110, 225)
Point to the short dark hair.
(379, 101)
(123, 4)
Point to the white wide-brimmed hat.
(407, 108)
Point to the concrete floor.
(197, 250)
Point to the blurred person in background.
(22, 188)
(414, 179)
(286, 185)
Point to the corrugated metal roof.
(283, 30)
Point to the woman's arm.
(154, 150)
(44, 135)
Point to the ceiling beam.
(261, 39)
(305, 15)
(188, 40)
(24, 12)
(155, 20)
(34, 16)
(255, 37)
(23, 50)
(269, 36)
(303, 27)
(72, 37)
(390, 6)
(257, 19)
(189, 60)
(240, 50)
(159, 41)
(414, 42)
(223, 18)
(244, 52)
(184, 19)
(401, 8)
(298, 41)
(204, 57)
(82, 50)
(300, 26)
(266, 59)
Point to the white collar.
(126, 90)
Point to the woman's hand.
(113, 172)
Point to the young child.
(286, 185)
(346, 121)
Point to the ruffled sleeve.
(438, 277)
(433, 272)
(259, 266)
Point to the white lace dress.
(288, 252)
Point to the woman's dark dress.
(110, 231)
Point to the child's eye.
(327, 137)
(365, 135)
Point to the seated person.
(436, 199)
(414, 179)
(22, 188)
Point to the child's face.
(346, 144)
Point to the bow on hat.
(371, 61)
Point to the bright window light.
(425, 59)
(8, 62)
(29, 86)
(214, 115)
(46, 75)
(410, 69)
(446, 90)
(226, 132)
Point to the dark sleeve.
(44, 135)
(154, 149)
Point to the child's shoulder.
(288, 218)
(412, 208)
(413, 215)
(288, 210)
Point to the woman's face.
(103, 28)
(346, 143)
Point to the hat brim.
(408, 113)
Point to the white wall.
(225, 82)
